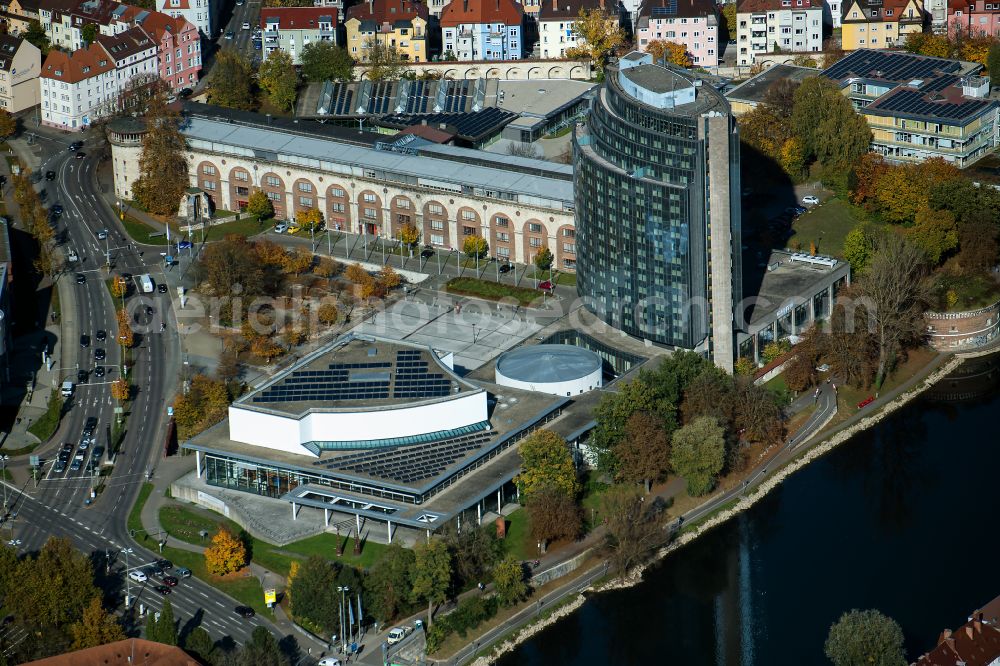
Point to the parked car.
(427, 252)
(506, 268)
(281, 227)
(185, 93)
(57, 210)
(810, 200)
(545, 285)
(397, 634)
(59, 467)
(329, 661)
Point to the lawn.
(518, 540)
(135, 515)
(186, 523)
(826, 225)
(970, 292)
(492, 290)
(46, 425)
(140, 232)
(245, 226)
(591, 500)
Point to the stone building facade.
(952, 331)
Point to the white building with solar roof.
(377, 429)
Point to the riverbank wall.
(828, 442)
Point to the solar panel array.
(458, 94)
(413, 380)
(332, 383)
(416, 101)
(887, 66)
(411, 464)
(668, 8)
(341, 96)
(382, 94)
(915, 103)
(471, 124)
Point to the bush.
(471, 612)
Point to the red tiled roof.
(564, 9)
(774, 5)
(124, 44)
(297, 18)
(381, 11)
(897, 7)
(974, 644)
(427, 132)
(131, 651)
(472, 12)
(81, 64)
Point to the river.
(898, 518)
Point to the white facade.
(294, 40)
(836, 9)
(793, 30)
(286, 433)
(555, 36)
(483, 41)
(70, 105)
(202, 13)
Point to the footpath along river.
(899, 518)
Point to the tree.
(831, 131)
(119, 286)
(632, 527)
(388, 583)
(670, 52)
(508, 581)
(598, 35)
(474, 551)
(699, 453)
(409, 235)
(165, 627)
(232, 265)
(325, 61)
(54, 588)
(36, 36)
(859, 245)
(314, 595)
(327, 314)
(729, 17)
(475, 247)
(543, 259)
(867, 174)
(294, 335)
(125, 337)
(865, 637)
(928, 44)
(95, 627)
(851, 348)
(259, 205)
(756, 413)
(552, 515)
(199, 644)
(613, 412)
(298, 261)
(89, 33)
(311, 219)
(935, 232)
(120, 389)
(993, 61)
(163, 169)
(976, 48)
(231, 81)
(643, 454)
(431, 574)
(977, 240)
(383, 61)
(894, 285)
(262, 650)
(744, 366)
(226, 554)
(356, 273)
(546, 463)
(8, 124)
(279, 79)
(205, 404)
(265, 349)
(388, 278)
(518, 149)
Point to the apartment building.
(777, 26)
(692, 23)
(18, 14)
(202, 13)
(482, 29)
(401, 24)
(920, 107)
(556, 20)
(836, 9)
(973, 17)
(20, 65)
(79, 87)
(178, 48)
(880, 24)
(291, 28)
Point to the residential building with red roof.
(973, 17)
(401, 24)
(78, 88)
(178, 48)
(766, 26)
(292, 28)
(880, 24)
(556, 19)
(691, 23)
(976, 643)
(129, 652)
(482, 29)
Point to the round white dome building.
(556, 369)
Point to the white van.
(397, 634)
(67, 389)
(145, 283)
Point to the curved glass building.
(656, 167)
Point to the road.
(59, 505)
(242, 41)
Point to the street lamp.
(3, 466)
(128, 588)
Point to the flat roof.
(302, 146)
(358, 371)
(894, 66)
(548, 363)
(662, 79)
(541, 98)
(788, 280)
(756, 87)
(942, 102)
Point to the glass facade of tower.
(643, 193)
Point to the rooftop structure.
(129, 652)
(551, 368)
(748, 95)
(693, 24)
(976, 643)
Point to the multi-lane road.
(61, 505)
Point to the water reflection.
(866, 526)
